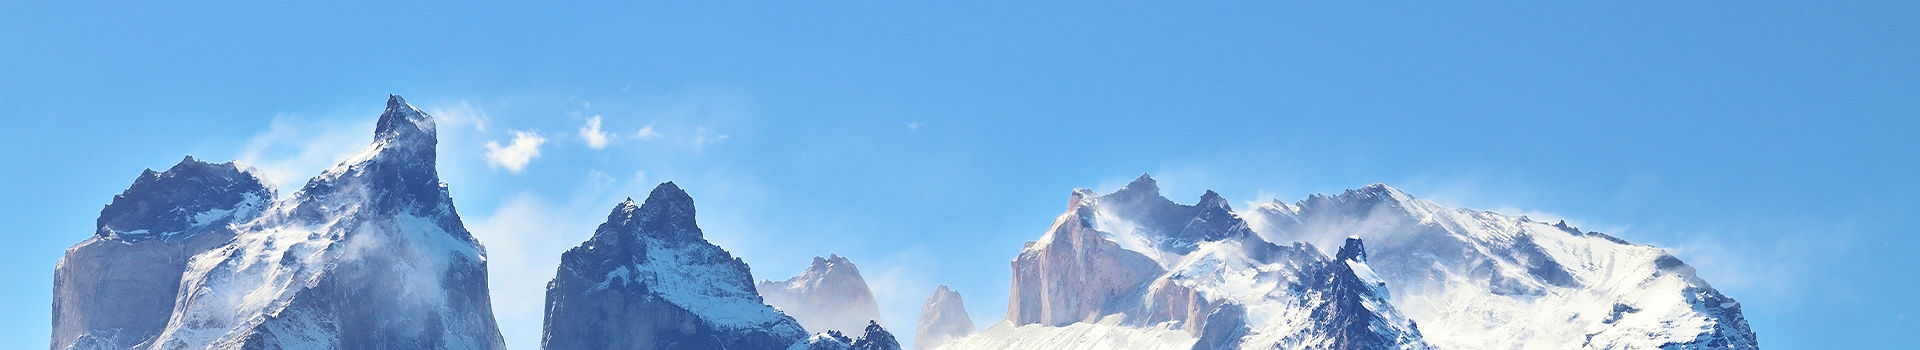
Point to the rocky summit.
(370, 254)
(117, 288)
(648, 279)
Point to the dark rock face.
(1354, 312)
(829, 295)
(369, 255)
(648, 279)
(116, 289)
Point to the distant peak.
(402, 121)
(1143, 184)
(1378, 190)
(1353, 250)
(832, 260)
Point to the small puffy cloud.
(517, 153)
(646, 133)
(914, 126)
(591, 132)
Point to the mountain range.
(371, 254)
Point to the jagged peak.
(668, 193)
(1081, 197)
(191, 193)
(1143, 185)
(1213, 199)
(1353, 250)
(402, 120)
(831, 260)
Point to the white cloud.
(515, 156)
(596, 139)
(646, 133)
(914, 126)
(291, 149)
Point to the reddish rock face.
(1072, 273)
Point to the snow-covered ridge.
(1431, 276)
(1478, 279)
(1135, 259)
(378, 229)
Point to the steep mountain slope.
(368, 255)
(830, 295)
(873, 338)
(116, 289)
(1479, 280)
(648, 279)
(942, 319)
(1136, 260)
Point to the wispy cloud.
(461, 114)
(914, 126)
(646, 133)
(596, 139)
(292, 148)
(517, 153)
(703, 137)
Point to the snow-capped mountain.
(1482, 280)
(648, 279)
(1134, 269)
(116, 289)
(829, 295)
(873, 337)
(368, 255)
(942, 319)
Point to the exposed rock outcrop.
(648, 279)
(116, 289)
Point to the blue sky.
(1771, 145)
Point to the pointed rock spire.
(1353, 250)
(402, 120)
(1212, 199)
(668, 212)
